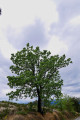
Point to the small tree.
(76, 103)
(37, 74)
(64, 103)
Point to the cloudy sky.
(50, 24)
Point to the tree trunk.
(39, 104)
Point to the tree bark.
(39, 102)
(39, 105)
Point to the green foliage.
(76, 104)
(4, 113)
(22, 112)
(37, 73)
(30, 105)
(68, 103)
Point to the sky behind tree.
(50, 24)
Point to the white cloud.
(5, 47)
(71, 90)
(20, 13)
(2, 74)
(7, 90)
(75, 21)
(56, 46)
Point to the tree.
(76, 103)
(0, 11)
(37, 74)
(64, 103)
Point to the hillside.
(14, 111)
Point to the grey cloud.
(34, 34)
(76, 91)
(71, 78)
(71, 89)
(4, 72)
(4, 67)
(67, 9)
(73, 84)
(71, 35)
(4, 61)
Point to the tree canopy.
(36, 74)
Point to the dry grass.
(33, 116)
(16, 117)
(15, 113)
(37, 116)
(49, 116)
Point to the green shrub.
(4, 113)
(64, 103)
(22, 112)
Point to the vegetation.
(61, 109)
(37, 74)
(70, 104)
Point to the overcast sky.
(50, 24)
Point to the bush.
(4, 113)
(64, 103)
(76, 104)
(21, 112)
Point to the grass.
(25, 109)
